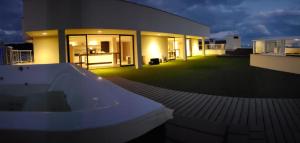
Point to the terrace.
(218, 99)
(224, 76)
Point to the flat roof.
(280, 38)
(139, 4)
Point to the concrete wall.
(278, 63)
(154, 47)
(46, 50)
(195, 47)
(114, 14)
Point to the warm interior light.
(44, 33)
(93, 43)
(73, 44)
(99, 31)
(158, 34)
(154, 50)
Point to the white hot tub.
(98, 110)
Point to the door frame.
(86, 46)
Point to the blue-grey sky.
(249, 18)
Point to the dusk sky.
(249, 18)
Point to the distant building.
(221, 46)
(280, 53)
(233, 42)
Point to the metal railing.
(215, 46)
(21, 56)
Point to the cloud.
(263, 29)
(222, 34)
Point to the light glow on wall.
(93, 43)
(73, 44)
(154, 50)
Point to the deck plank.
(224, 110)
(269, 120)
(231, 111)
(238, 111)
(217, 112)
(275, 122)
(193, 110)
(191, 104)
(205, 107)
(245, 112)
(252, 113)
(268, 123)
(287, 131)
(212, 108)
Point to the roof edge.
(189, 19)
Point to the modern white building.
(280, 53)
(108, 33)
(233, 42)
(277, 46)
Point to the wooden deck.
(207, 118)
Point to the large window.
(95, 51)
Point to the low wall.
(278, 63)
(214, 52)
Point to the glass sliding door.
(188, 47)
(96, 51)
(78, 51)
(127, 50)
(103, 51)
(171, 49)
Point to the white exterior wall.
(278, 63)
(154, 47)
(46, 50)
(231, 43)
(113, 14)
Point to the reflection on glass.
(77, 51)
(103, 51)
(171, 49)
(94, 51)
(127, 50)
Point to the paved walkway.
(200, 117)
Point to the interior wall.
(154, 47)
(260, 47)
(46, 50)
(180, 44)
(195, 47)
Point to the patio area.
(208, 118)
(224, 76)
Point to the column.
(254, 47)
(203, 46)
(139, 58)
(184, 49)
(282, 47)
(62, 46)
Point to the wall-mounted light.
(297, 39)
(99, 31)
(44, 33)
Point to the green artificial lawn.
(224, 76)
